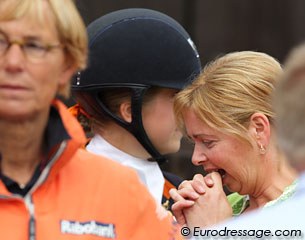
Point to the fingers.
(188, 194)
(185, 184)
(209, 181)
(191, 191)
(198, 177)
(178, 213)
(199, 186)
(176, 196)
(216, 178)
(179, 205)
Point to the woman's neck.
(21, 147)
(273, 187)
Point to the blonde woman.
(227, 113)
(290, 108)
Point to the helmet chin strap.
(135, 127)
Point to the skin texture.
(159, 122)
(248, 170)
(200, 211)
(215, 150)
(26, 92)
(26, 88)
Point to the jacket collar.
(62, 128)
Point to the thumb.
(216, 177)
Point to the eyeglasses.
(33, 50)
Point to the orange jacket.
(83, 196)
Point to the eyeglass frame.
(26, 46)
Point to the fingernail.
(200, 189)
(189, 202)
(210, 181)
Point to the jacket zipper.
(32, 226)
(28, 197)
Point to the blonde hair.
(70, 26)
(290, 106)
(229, 90)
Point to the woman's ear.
(260, 129)
(125, 111)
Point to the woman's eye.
(208, 144)
(33, 45)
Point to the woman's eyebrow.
(29, 36)
(201, 135)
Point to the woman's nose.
(198, 156)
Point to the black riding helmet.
(137, 49)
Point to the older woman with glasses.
(50, 188)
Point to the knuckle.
(184, 184)
(198, 177)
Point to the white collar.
(149, 172)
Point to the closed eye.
(208, 143)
